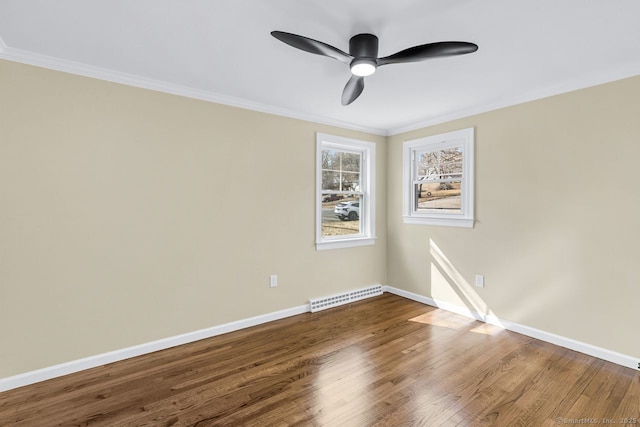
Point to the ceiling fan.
(363, 56)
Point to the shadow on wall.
(449, 288)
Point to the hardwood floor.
(385, 361)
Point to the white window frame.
(367, 236)
(410, 214)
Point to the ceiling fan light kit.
(363, 67)
(363, 59)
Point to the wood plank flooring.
(385, 361)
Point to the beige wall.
(128, 216)
(557, 210)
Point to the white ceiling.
(221, 50)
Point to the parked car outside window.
(348, 210)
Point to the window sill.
(345, 243)
(446, 222)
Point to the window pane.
(331, 180)
(340, 170)
(340, 215)
(350, 181)
(439, 164)
(351, 162)
(438, 197)
(331, 159)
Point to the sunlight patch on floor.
(442, 318)
(487, 329)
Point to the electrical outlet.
(479, 281)
(273, 280)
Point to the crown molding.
(39, 60)
(593, 79)
(72, 67)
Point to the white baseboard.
(138, 350)
(591, 350)
(33, 377)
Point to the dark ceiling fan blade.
(352, 90)
(427, 51)
(312, 46)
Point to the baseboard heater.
(319, 304)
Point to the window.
(438, 179)
(344, 192)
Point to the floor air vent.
(344, 298)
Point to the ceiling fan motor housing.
(364, 49)
(364, 46)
